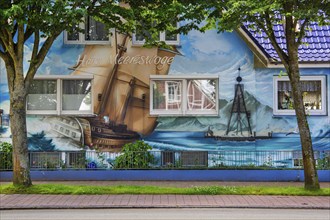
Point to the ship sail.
(122, 93)
(110, 78)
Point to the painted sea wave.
(172, 140)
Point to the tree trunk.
(310, 172)
(21, 168)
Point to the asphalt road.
(165, 214)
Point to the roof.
(315, 47)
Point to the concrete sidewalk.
(161, 201)
(165, 201)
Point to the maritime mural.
(121, 99)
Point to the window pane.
(95, 31)
(73, 35)
(285, 100)
(139, 36)
(142, 33)
(311, 91)
(312, 95)
(170, 37)
(167, 95)
(42, 95)
(76, 95)
(201, 94)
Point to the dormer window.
(165, 36)
(95, 32)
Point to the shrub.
(323, 163)
(6, 156)
(135, 155)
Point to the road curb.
(162, 206)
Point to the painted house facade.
(212, 92)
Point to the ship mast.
(127, 101)
(111, 77)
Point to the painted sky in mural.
(223, 54)
(57, 62)
(202, 53)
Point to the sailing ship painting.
(121, 91)
(117, 96)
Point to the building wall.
(202, 54)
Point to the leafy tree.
(262, 15)
(42, 21)
(294, 15)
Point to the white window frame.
(59, 79)
(322, 111)
(82, 38)
(162, 37)
(184, 111)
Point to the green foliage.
(323, 163)
(282, 73)
(158, 190)
(216, 190)
(6, 147)
(135, 155)
(156, 16)
(262, 12)
(6, 158)
(51, 17)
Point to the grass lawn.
(127, 189)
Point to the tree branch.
(7, 42)
(270, 33)
(10, 74)
(35, 46)
(39, 58)
(302, 31)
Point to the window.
(76, 95)
(314, 95)
(42, 96)
(55, 95)
(167, 95)
(175, 95)
(170, 39)
(95, 32)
